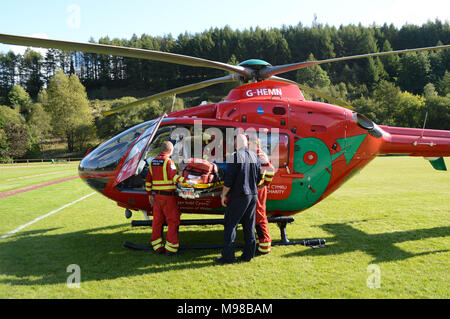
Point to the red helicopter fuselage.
(319, 146)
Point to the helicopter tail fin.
(437, 162)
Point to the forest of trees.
(394, 90)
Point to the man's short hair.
(166, 146)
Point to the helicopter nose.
(98, 167)
(95, 172)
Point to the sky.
(80, 20)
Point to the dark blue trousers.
(240, 209)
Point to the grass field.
(392, 221)
(22, 175)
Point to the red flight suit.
(261, 223)
(161, 183)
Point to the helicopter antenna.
(424, 122)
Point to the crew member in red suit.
(161, 185)
(261, 223)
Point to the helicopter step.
(281, 221)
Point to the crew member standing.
(241, 184)
(261, 223)
(161, 185)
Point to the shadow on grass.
(39, 257)
(380, 246)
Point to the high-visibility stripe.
(264, 250)
(162, 188)
(157, 244)
(173, 250)
(264, 247)
(178, 179)
(157, 241)
(171, 247)
(268, 175)
(156, 188)
(165, 169)
(159, 182)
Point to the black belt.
(163, 193)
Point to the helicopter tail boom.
(415, 142)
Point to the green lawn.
(395, 215)
(15, 176)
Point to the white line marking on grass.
(44, 216)
(31, 176)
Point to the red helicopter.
(316, 146)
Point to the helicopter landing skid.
(281, 221)
(311, 243)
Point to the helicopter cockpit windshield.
(107, 156)
(97, 166)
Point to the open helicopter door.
(131, 164)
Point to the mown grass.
(13, 176)
(394, 214)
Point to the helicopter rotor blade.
(315, 92)
(274, 70)
(121, 51)
(179, 90)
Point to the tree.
(391, 62)
(14, 136)
(68, 106)
(444, 84)
(32, 77)
(410, 110)
(391, 106)
(20, 100)
(39, 122)
(8, 66)
(415, 72)
(429, 90)
(313, 76)
(17, 137)
(438, 108)
(108, 126)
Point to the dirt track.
(32, 187)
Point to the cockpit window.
(154, 149)
(141, 143)
(108, 155)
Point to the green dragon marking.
(307, 190)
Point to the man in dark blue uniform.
(241, 185)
